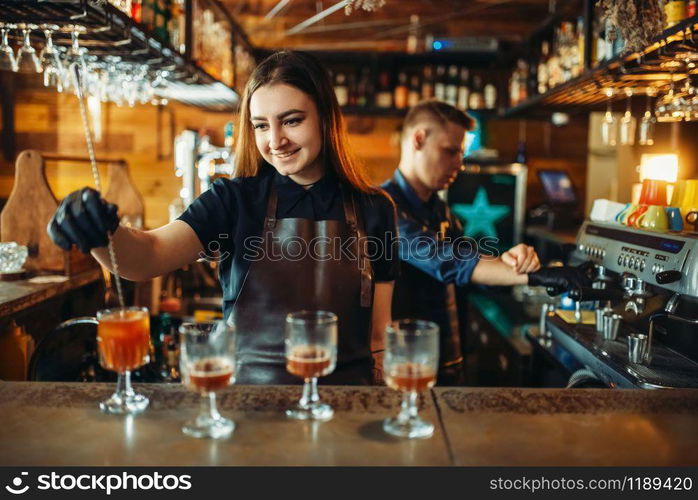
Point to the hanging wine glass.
(76, 54)
(27, 60)
(692, 98)
(50, 57)
(110, 81)
(7, 55)
(609, 125)
(627, 122)
(669, 108)
(648, 122)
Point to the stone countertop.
(570, 427)
(60, 424)
(16, 296)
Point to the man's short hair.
(439, 112)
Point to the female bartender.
(289, 229)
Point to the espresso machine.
(646, 291)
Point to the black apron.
(327, 279)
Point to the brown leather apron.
(312, 265)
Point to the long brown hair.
(303, 71)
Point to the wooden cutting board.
(123, 193)
(27, 212)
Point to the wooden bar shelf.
(650, 69)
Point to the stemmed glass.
(669, 106)
(608, 125)
(627, 123)
(207, 365)
(54, 71)
(76, 54)
(27, 60)
(410, 365)
(7, 55)
(648, 122)
(123, 341)
(311, 352)
(110, 81)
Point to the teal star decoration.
(480, 217)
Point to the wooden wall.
(143, 135)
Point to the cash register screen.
(558, 187)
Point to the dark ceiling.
(268, 22)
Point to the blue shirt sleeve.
(449, 260)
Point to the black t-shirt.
(233, 210)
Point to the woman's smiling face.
(287, 131)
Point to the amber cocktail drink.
(123, 341)
(311, 352)
(207, 364)
(410, 366)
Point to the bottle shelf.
(110, 32)
(651, 69)
(400, 113)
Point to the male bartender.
(434, 253)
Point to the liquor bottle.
(676, 11)
(581, 56)
(384, 97)
(543, 68)
(341, 90)
(401, 91)
(463, 90)
(178, 26)
(162, 16)
(691, 8)
(413, 35)
(452, 85)
(353, 90)
(136, 10)
(600, 44)
(428, 83)
(521, 81)
(491, 95)
(566, 56)
(554, 69)
(440, 83)
(514, 94)
(414, 93)
(172, 362)
(148, 13)
(476, 99)
(363, 89)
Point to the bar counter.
(60, 424)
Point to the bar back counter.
(59, 424)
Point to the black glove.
(84, 219)
(562, 279)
